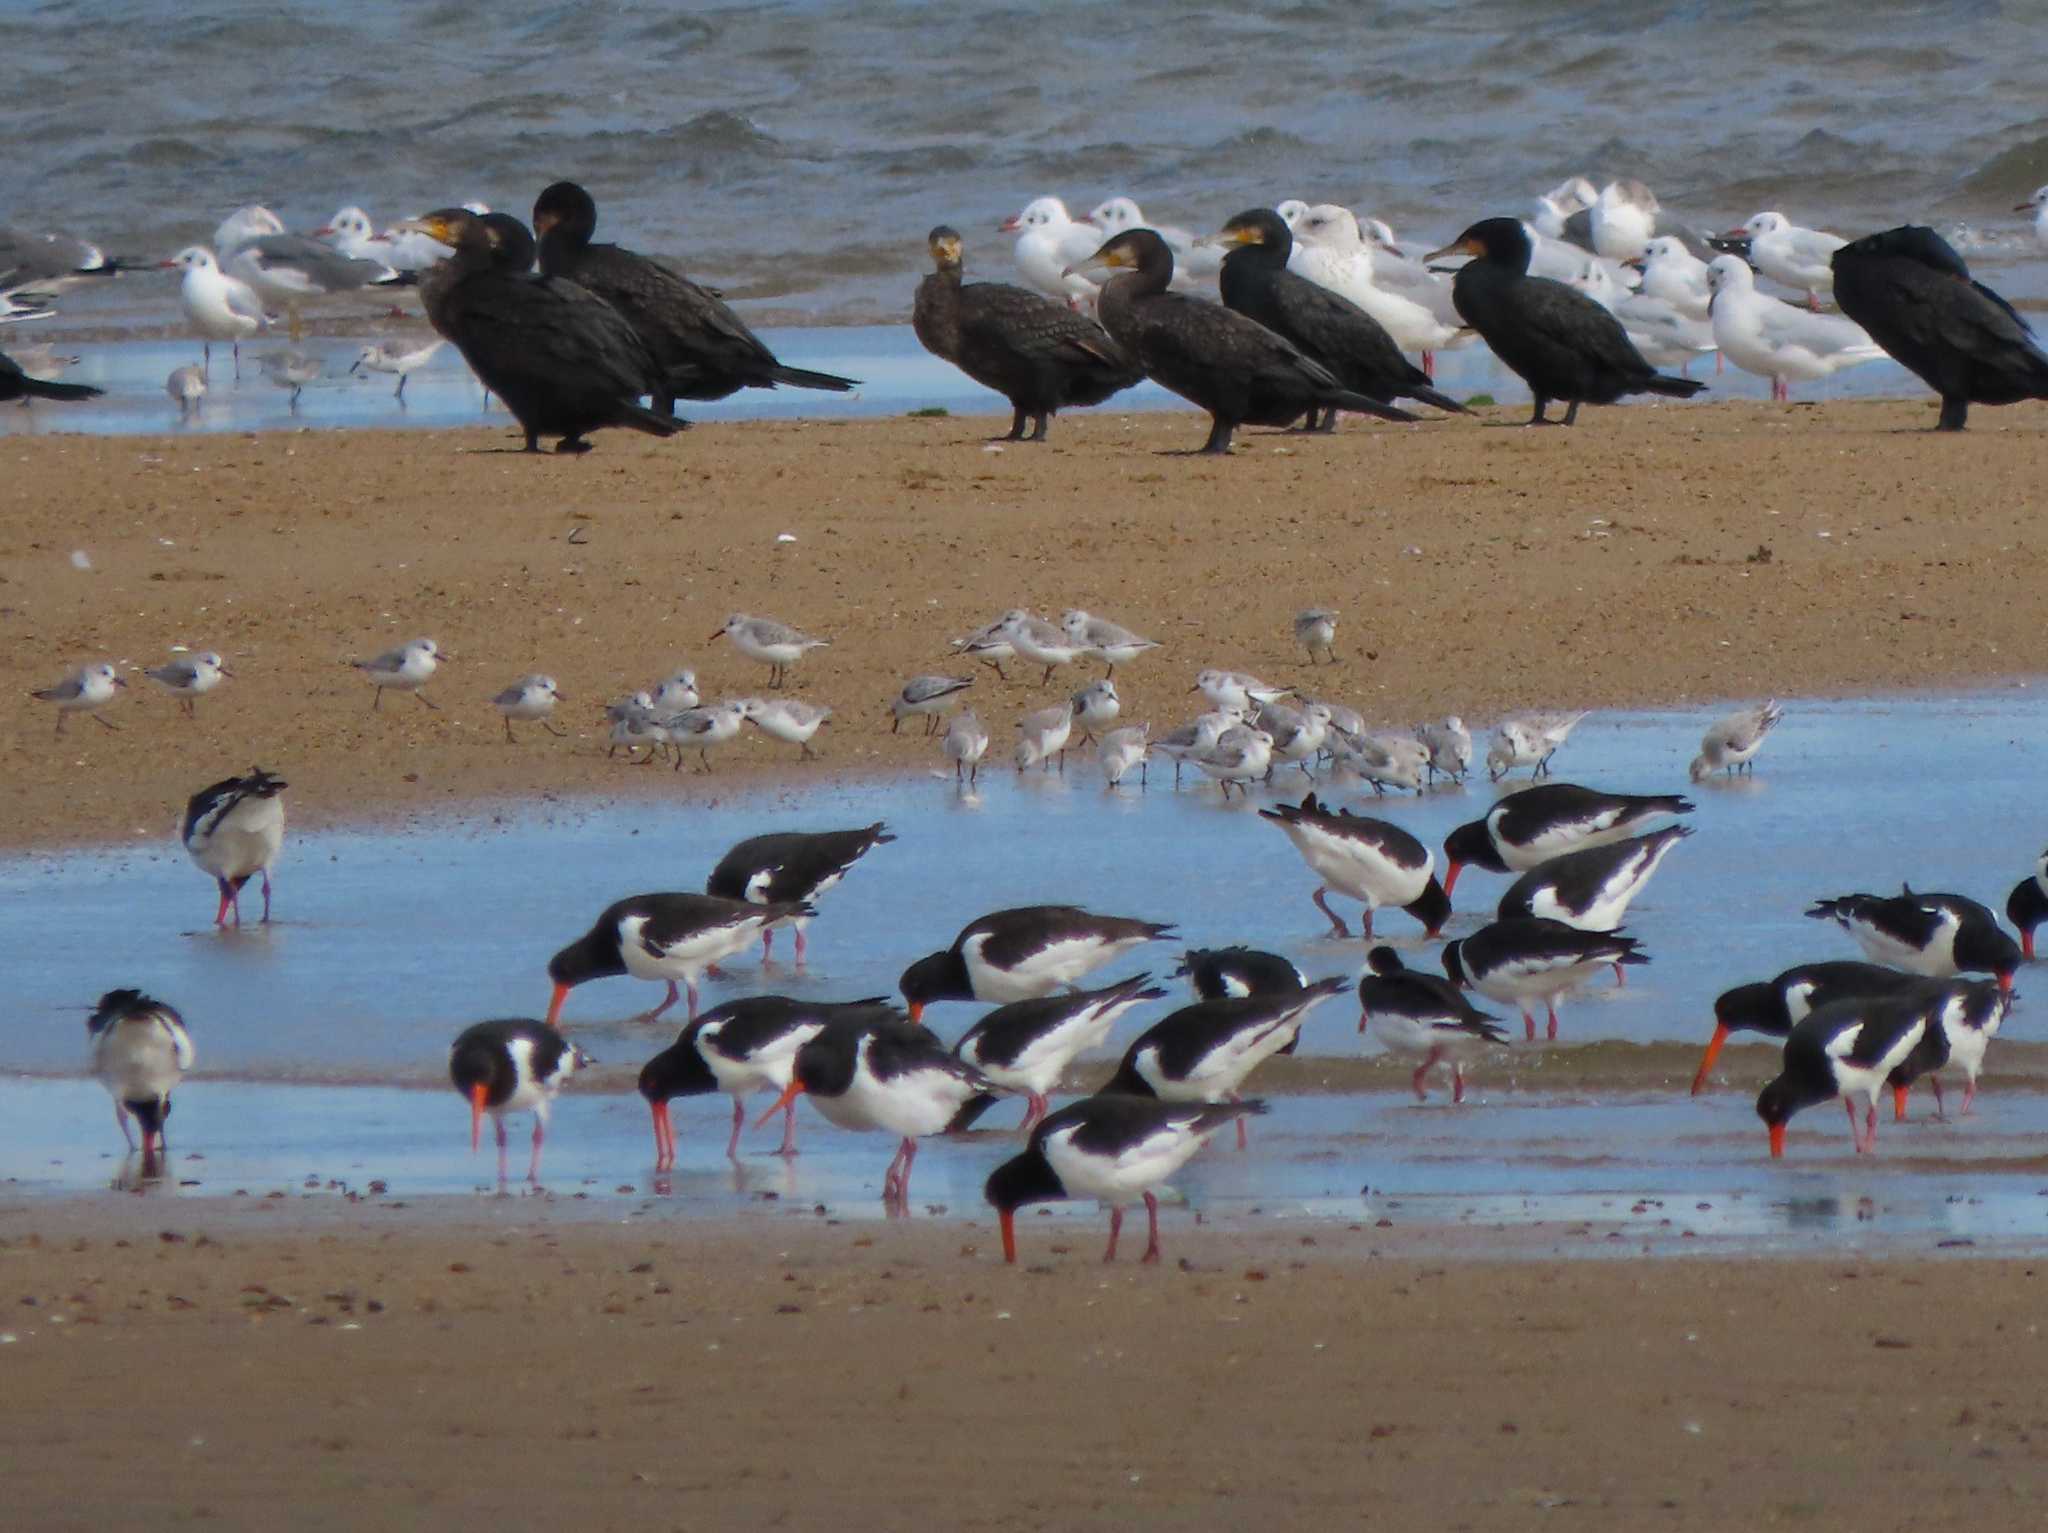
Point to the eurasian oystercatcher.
(897, 1079)
(140, 1051)
(1204, 1052)
(1933, 934)
(1533, 958)
(233, 830)
(1731, 744)
(791, 865)
(667, 937)
(2027, 906)
(1591, 888)
(507, 1066)
(1414, 1013)
(741, 1047)
(1364, 859)
(1018, 955)
(1107, 1147)
(1527, 828)
(1845, 1049)
(1773, 1006)
(1219, 973)
(1966, 1017)
(1027, 1045)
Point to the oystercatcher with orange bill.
(1021, 954)
(1967, 1014)
(1533, 958)
(1217, 973)
(1410, 1012)
(1774, 1006)
(1108, 1147)
(1204, 1052)
(791, 865)
(1847, 1049)
(1526, 829)
(1364, 859)
(234, 829)
(741, 1047)
(897, 1078)
(1592, 888)
(1934, 934)
(514, 1065)
(2027, 906)
(1027, 1045)
(668, 937)
(140, 1052)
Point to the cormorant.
(1038, 354)
(561, 358)
(1560, 342)
(702, 349)
(1914, 294)
(1233, 367)
(1327, 326)
(16, 384)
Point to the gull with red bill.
(514, 1065)
(1111, 1148)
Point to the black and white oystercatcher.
(741, 1047)
(1364, 859)
(512, 1066)
(1591, 889)
(1107, 1147)
(1027, 1045)
(1526, 829)
(1217, 973)
(233, 830)
(1852, 1048)
(898, 1079)
(1934, 934)
(1413, 1013)
(2027, 906)
(1528, 959)
(1017, 955)
(1204, 1052)
(1966, 1016)
(791, 865)
(666, 937)
(1774, 1006)
(140, 1051)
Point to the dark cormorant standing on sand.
(702, 348)
(16, 384)
(1038, 354)
(1233, 367)
(562, 359)
(1561, 343)
(1327, 326)
(1914, 294)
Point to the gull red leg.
(1152, 1230)
(1116, 1228)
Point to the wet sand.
(538, 1374)
(1664, 555)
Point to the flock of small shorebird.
(1851, 1029)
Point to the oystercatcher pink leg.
(504, 1170)
(1620, 977)
(540, 1132)
(787, 1148)
(767, 945)
(227, 898)
(1116, 1226)
(1036, 1105)
(1528, 1026)
(1421, 1076)
(673, 993)
(1550, 1031)
(1934, 1084)
(1152, 1220)
(121, 1118)
(266, 896)
(1337, 926)
(1457, 1082)
(1969, 1097)
(1243, 1139)
(739, 1118)
(800, 946)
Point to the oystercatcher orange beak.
(790, 1093)
(1451, 877)
(555, 1006)
(1699, 1081)
(664, 1135)
(476, 1114)
(1777, 1141)
(2027, 945)
(917, 1011)
(2005, 983)
(1899, 1095)
(1009, 1221)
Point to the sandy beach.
(1649, 556)
(527, 1372)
